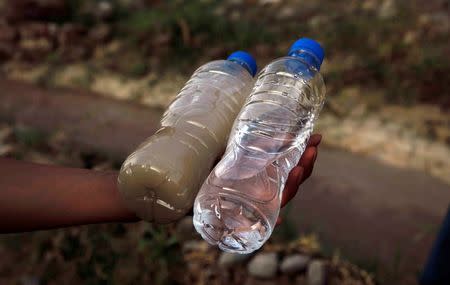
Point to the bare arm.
(34, 196)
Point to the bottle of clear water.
(238, 204)
(160, 179)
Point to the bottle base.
(231, 223)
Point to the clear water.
(239, 202)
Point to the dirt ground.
(382, 180)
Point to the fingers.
(302, 171)
(314, 140)
(309, 156)
(292, 183)
(279, 221)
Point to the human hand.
(302, 171)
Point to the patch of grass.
(138, 69)
(97, 267)
(13, 241)
(53, 58)
(159, 242)
(192, 27)
(30, 137)
(161, 247)
(144, 21)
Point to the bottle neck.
(243, 64)
(307, 57)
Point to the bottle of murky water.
(159, 181)
(239, 202)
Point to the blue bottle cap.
(311, 46)
(245, 59)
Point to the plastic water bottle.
(238, 204)
(159, 181)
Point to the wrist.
(112, 207)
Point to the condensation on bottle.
(238, 204)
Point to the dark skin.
(37, 197)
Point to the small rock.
(104, 10)
(5, 132)
(34, 49)
(228, 259)
(6, 149)
(185, 229)
(316, 274)
(318, 21)
(424, 20)
(387, 9)
(40, 45)
(294, 263)
(410, 37)
(286, 12)
(263, 265)
(369, 5)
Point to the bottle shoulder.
(294, 66)
(296, 69)
(225, 68)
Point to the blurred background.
(73, 71)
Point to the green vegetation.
(30, 137)
(400, 48)
(107, 254)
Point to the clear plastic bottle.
(159, 181)
(239, 202)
